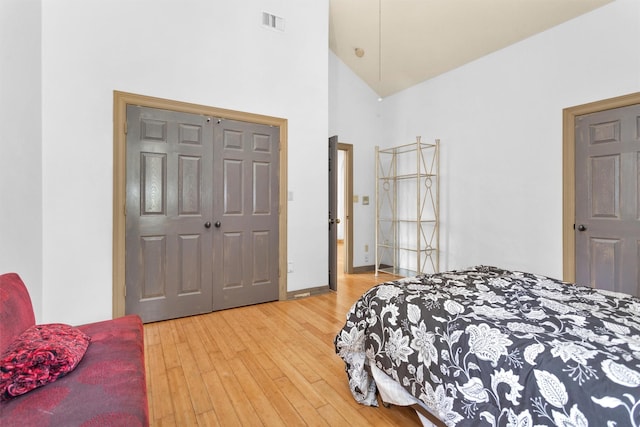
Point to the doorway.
(573, 231)
(121, 101)
(340, 195)
(345, 208)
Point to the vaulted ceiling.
(395, 44)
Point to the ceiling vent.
(272, 21)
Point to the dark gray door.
(607, 220)
(201, 215)
(333, 212)
(246, 195)
(168, 244)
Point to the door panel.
(605, 184)
(608, 199)
(189, 183)
(262, 188)
(605, 253)
(154, 255)
(233, 272)
(168, 247)
(248, 271)
(190, 263)
(233, 188)
(261, 244)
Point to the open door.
(333, 210)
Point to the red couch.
(106, 388)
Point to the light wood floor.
(268, 364)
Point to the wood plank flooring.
(269, 364)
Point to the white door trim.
(569, 169)
(120, 102)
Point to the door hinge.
(125, 128)
(124, 209)
(125, 290)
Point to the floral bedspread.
(486, 346)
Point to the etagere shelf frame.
(407, 209)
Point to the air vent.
(272, 21)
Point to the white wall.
(354, 117)
(210, 52)
(500, 123)
(20, 145)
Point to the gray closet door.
(246, 196)
(607, 199)
(202, 213)
(169, 203)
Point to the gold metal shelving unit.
(407, 209)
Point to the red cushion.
(40, 355)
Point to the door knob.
(582, 227)
(217, 224)
(207, 224)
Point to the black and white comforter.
(485, 346)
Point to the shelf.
(405, 248)
(406, 220)
(403, 272)
(407, 176)
(407, 148)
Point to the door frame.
(569, 169)
(348, 206)
(120, 102)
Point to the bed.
(488, 346)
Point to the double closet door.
(201, 213)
